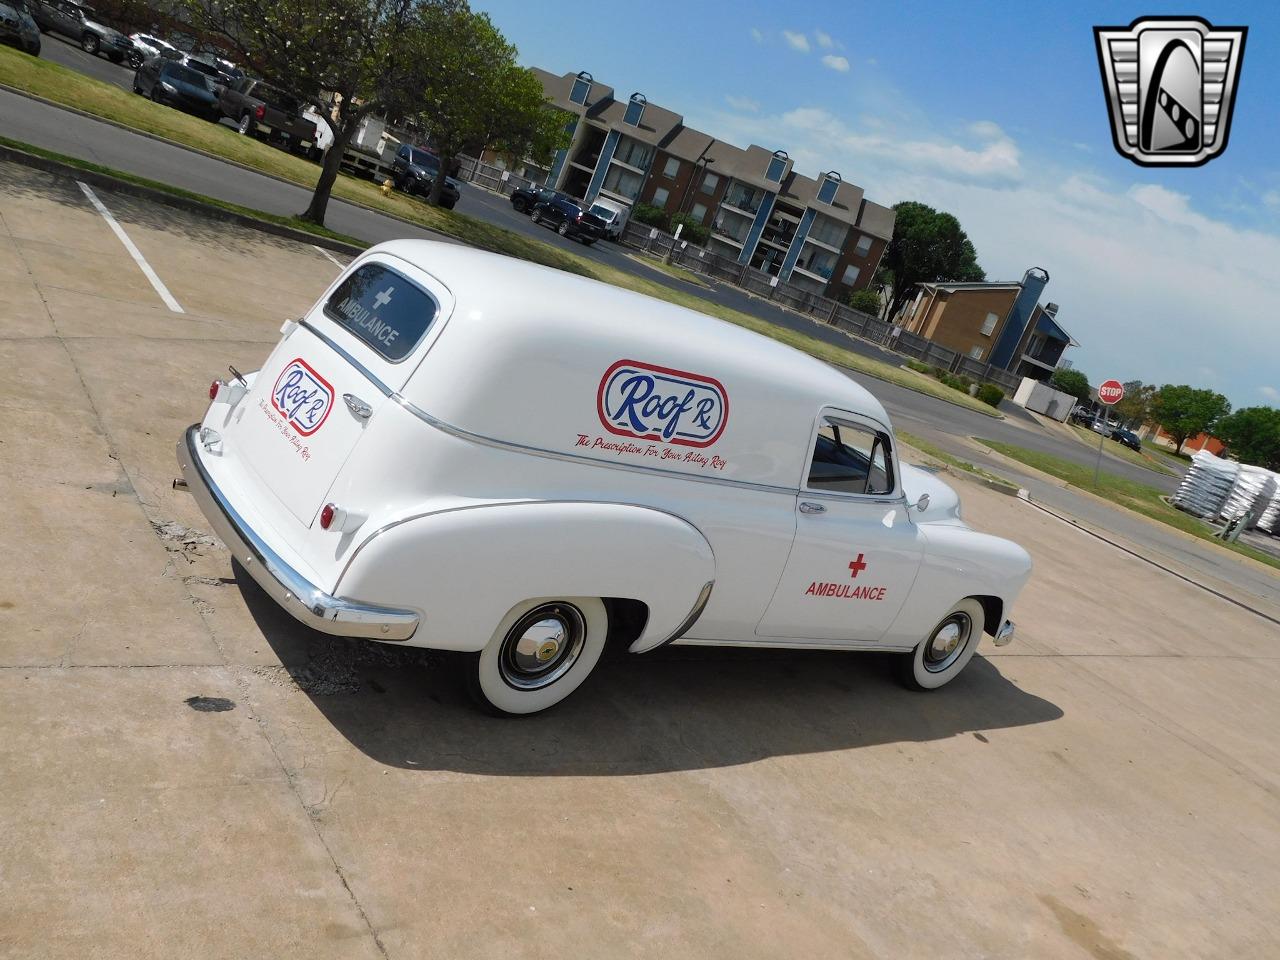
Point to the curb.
(187, 204)
(213, 156)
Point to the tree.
(928, 246)
(477, 96)
(364, 55)
(1072, 381)
(1135, 408)
(865, 300)
(1253, 435)
(1184, 411)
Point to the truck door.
(856, 551)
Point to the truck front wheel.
(89, 43)
(541, 652)
(947, 650)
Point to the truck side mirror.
(922, 504)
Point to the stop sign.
(1111, 392)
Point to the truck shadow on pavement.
(677, 709)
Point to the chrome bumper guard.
(306, 602)
(1005, 634)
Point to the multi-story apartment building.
(823, 234)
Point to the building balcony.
(821, 274)
(778, 243)
(717, 235)
(740, 211)
(585, 163)
(823, 244)
(627, 166)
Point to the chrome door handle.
(357, 406)
(807, 506)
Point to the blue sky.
(994, 112)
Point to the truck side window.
(848, 458)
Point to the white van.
(461, 451)
(613, 213)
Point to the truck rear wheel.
(245, 126)
(541, 652)
(89, 43)
(947, 650)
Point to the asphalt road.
(78, 136)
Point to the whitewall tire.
(541, 652)
(947, 649)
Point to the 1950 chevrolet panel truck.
(461, 451)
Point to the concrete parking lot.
(184, 771)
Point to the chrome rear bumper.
(1005, 634)
(306, 602)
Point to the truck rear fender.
(464, 568)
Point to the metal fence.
(664, 246)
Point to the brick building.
(822, 235)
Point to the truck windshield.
(423, 159)
(604, 213)
(384, 309)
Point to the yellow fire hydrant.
(387, 187)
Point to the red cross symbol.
(857, 566)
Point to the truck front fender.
(464, 568)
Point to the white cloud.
(742, 103)
(756, 35)
(797, 41)
(1272, 199)
(837, 63)
(1152, 286)
(824, 39)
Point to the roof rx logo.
(657, 403)
(1170, 84)
(302, 396)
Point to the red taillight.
(326, 515)
(213, 389)
(259, 111)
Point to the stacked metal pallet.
(1207, 485)
(1270, 519)
(1253, 489)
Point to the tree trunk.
(347, 126)
(437, 183)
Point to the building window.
(776, 166)
(989, 324)
(660, 197)
(829, 231)
(672, 168)
(710, 182)
(744, 197)
(975, 353)
(624, 182)
(698, 212)
(864, 245)
(817, 261)
(633, 153)
(830, 184)
(581, 88)
(635, 110)
(850, 275)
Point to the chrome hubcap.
(947, 643)
(542, 646)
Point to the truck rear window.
(383, 309)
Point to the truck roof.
(526, 338)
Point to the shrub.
(940, 373)
(693, 231)
(866, 301)
(990, 394)
(919, 367)
(651, 215)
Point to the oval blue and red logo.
(302, 396)
(648, 402)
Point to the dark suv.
(1127, 437)
(526, 198)
(569, 219)
(83, 25)
(414, 170)
(176, 84)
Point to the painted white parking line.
(328, 256)
(134, 252)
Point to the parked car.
(569, 219)
(146, 46)
(259, 109)
(614, 215)
(18, 28)
(1103, 426)
(82, 24)
(414, 170)
(218, 78)
(447, 451)
(1083, 416)
(176, 84)
(1127, 437)
(524, 199)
